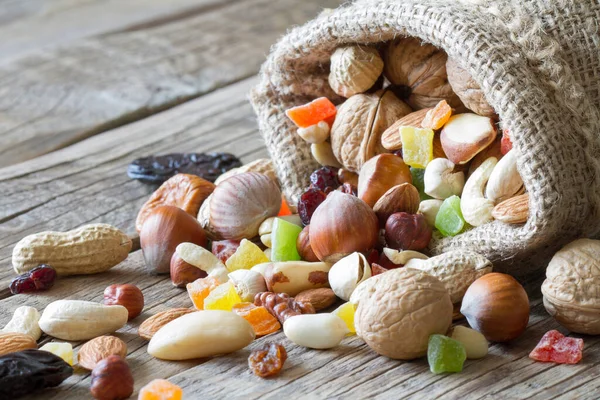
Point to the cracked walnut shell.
(571, 293)
(360, 121)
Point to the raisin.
(157, 169)
(325, 179)
(309, 201)
(28, 371)
(43, 276)
(22, 284)
(268, 360)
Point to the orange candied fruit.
(262, 321)
(321, 109)
(437, 117)
(200, 289)
(160, 389)
(285, 209)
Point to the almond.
(150, 326)
(11, 342)
(319, 298)
(390, 139)
(513, 211)
(100, 348)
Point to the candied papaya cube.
(63, 350)
(283, 241)
(223, 297)
(200, 289)
(449, 220)
(246, 256)
(160, 389)
(285, 209)
(445, 354)
(417, 146)
(321, 109)
(346, 313)
(558, 348)
(437, 117)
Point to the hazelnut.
(400, 198)
(341, 225)
(112, 379)
(346, 176)
(183, 272)
(164, 228)
(126, 295)
(303, 245)
(380, 174)
(497, 306)
(405, 231)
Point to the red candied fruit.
(505, 142)
(556, 347)
(43, 276)
(325, 179)
(223, 249)
(309, 201)
(22, 284)
(285, 209)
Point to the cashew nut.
(505, 181)
(440, 182)
(476, 209)
(430, 208)
(323, 153)
(317, 133)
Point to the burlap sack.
(538, 62)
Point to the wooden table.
(86, 86)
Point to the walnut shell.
(398, 311)
(468, 90)
(422, 67)
(570, 290)
(354, 69)
(360, 121)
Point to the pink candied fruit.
(321, 109)
(558, 348)
(506, 142)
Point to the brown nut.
(112, 379)
(354, 69)
(359, 123)
(303, 246)
(185, 191)
(319, 298)
(96, 350)
(400, 198)
(379, 175)
(390, 139)
(468, 90)
(126, 295)
(183, 273)
(150, 326)
(11, 342)
(164, 229)
(405, 231)
(341, 225)
(513, 211)
(346, 176)
(497, 306)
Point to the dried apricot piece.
(321, 109)
(268, 360)
(243, 308)
(200, 289)
(437, 116)
(160, 389)
(259, 317)
(556, 347)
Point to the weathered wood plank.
(29, 25)
(51, 99)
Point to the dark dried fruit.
(309, 201)
(268, 360)
(325, 179)
(157, 169)
(28, 371)
(40, 278)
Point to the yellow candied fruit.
(346, 313)
(200, 289)
(417, 146)
(160, 389)
(223, 297)
(246, 256)
(63, 350)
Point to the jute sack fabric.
(538, 63)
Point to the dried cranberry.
(43, 276)
(309, 201)
(22, 284)
(325, 179)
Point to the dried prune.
(268, 360)
(31, 370)
(157, 169)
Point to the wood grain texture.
(50, 99)
(30, 25)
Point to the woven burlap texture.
(538, 62)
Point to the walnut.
(282, 306)
(421, 67)
(571, 293)
(468, 90)
(354, 69)
(360, 121)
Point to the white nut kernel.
(440, 180)
(315, 134)
(475, 343)
(25, 320)
(476, 209)
(315, 331)
(323, 153)
(430, 208)
(505, 181)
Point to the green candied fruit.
(417, 181)
(445, 354)
(283, 241)
(449, 220)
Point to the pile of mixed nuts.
(352, 261)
